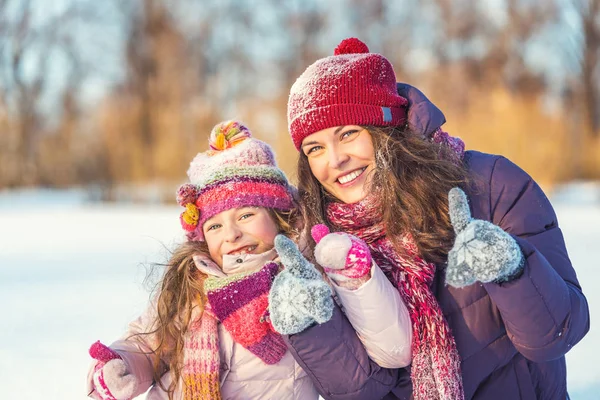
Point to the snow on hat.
(237, 171)
(352, 87)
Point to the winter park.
(299, 200)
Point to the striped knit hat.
(352, 87)
(236, 171)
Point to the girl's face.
(341, 158)
(247, 230)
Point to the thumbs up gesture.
(482, 251)
(299, 296)
(112, 380)
(344, 257)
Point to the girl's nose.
(233, 233)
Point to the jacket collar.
(233, 264)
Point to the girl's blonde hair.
(180, 290)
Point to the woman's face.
(342, 159)
(246, 230)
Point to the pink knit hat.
(237, 171)
(352, 87)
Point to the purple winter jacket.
(511, 337)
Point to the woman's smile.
(351, 177)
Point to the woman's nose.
(337, 158)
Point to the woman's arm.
(335, 359)
(544, 310)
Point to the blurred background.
(104, 103)
(110, 95)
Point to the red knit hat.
(352, 87)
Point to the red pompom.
(350, 46)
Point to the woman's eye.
(313, 149)
(247, 215)
(349, 133)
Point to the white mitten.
(111, 378)
(344, 257)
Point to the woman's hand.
(482, 251)
(299, 296)
(344, 257)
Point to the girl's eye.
(247, 215)
(213, 227)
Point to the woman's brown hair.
(412, 176)
(180, 290)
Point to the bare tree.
(589, 14)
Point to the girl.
(211, 333)
(469, 239)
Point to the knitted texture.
(241, 302)
(299, 296)
(343, 257)
(102, 353)
(111, 377)
(482, 251)
(435, 370)
(352, 87)
(201, 360)
(236, 171)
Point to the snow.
(72, 273)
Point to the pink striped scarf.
(240, 302)
(201, 360)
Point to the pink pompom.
(103, 353)
(351, 46)
(319, 231)
(187, 193)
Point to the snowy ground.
(72, 273)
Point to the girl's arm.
(135, 350)
(371, 303)
(380, 318)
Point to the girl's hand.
(111, 379)
(344, 257)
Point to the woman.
(469, 240)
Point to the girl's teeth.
(350, 177)
(245, 250)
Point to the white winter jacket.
(245, 376)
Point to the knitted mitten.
(482, 251)
(241, 302)
(344, 257)
(111, 379)
(299, 295)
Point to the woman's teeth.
(351, 176)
